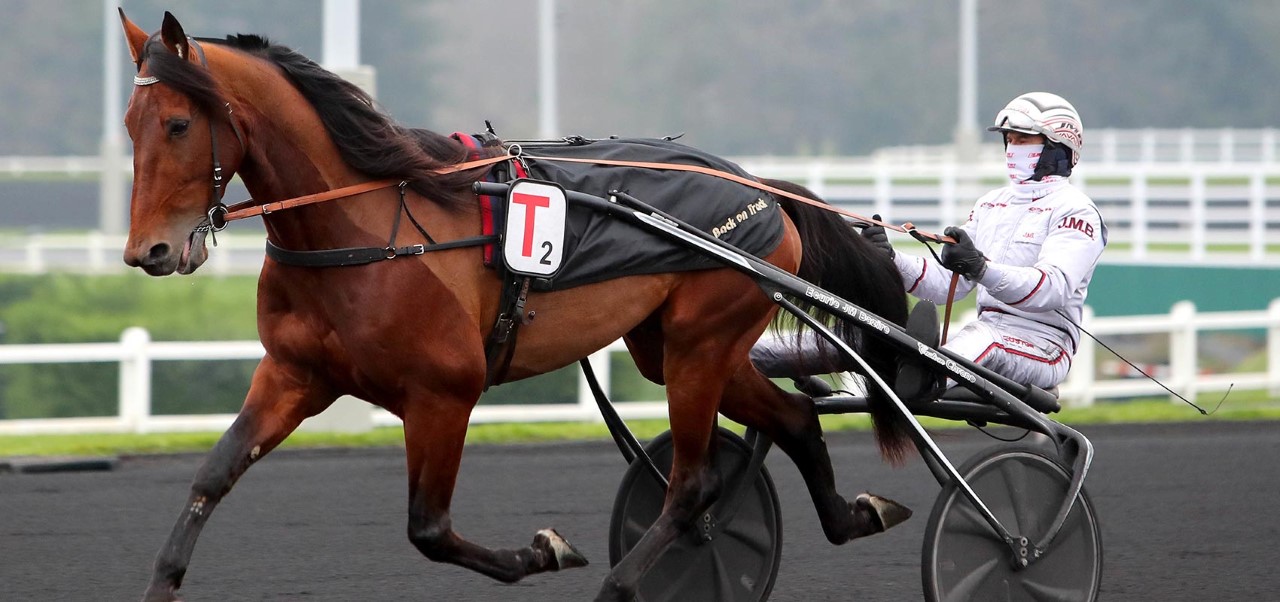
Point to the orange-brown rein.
(248, 209)
(905, 228)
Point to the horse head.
(186, 146)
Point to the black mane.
(368, 139)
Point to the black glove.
(875, 235)
(961, 256)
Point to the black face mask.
(1055, 160)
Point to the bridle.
(215, 216)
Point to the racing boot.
(915, 382)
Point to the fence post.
(817, 178)
(1199, 228)
(35, 253)
(1080, 380)
(883, 191)
(1257, 215)
(1273, 347)
(1182, 350)
(135, 379)
(1138, 205)
(97, 244)
(948, 193)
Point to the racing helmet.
(1043, 113)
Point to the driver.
(1029, 249)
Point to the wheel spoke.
(758, 540)
(683, 569)
(724, 587)
(1049, 593)
(1019, 496)
(966, 520)
(634, 529)
(967, 588)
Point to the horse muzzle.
(163, 258)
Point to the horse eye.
(177, 127)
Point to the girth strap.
(500, 345)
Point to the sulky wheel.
(1023, 487)
(740, 562)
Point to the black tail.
(837, 259)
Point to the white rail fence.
(1226, 214)
(136, 353)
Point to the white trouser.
(1022, 356)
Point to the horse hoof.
(161, 597)
(885, 513)
(561, 551)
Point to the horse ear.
(172, 35)
(134, 36)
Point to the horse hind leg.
(434, 442)
(704, 333)
(791, 422)
(693, 485)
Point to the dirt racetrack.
(1188, 512)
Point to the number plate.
(533, 241)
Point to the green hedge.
(63, 308)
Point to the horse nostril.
(158, 253)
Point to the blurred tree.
(742, 76)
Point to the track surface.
(1188, 512)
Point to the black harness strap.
(365, 255)
(500, 345)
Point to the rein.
(907, 228)
(220, 215)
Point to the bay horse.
(408, 334)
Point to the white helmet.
(1043, 113)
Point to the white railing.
(135, 354)
(1184, 146)
(1156, 213)
(1103, 146)
(1185, 373)
(1225, 214)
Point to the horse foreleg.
(433, 442)
(791, 421)
(276, 404)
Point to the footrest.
(1045, 402)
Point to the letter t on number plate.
(533, 240)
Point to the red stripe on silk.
(1061, 356)
(918, 280)
(1043, 277)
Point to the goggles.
(1009, 119)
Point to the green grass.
(1240, 406)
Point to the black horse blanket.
(599, 247)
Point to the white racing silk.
(1042, 240)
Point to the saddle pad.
(599, 247)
